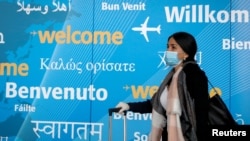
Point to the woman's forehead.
(172, 42)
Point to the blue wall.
(64, 63)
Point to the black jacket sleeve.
(141, 107)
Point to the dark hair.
(187, 43)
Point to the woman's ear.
(185, 56)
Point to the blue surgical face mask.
(171, 58)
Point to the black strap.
(212, 87)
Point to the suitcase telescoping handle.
(116, 110)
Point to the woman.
(180, 106)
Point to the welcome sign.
(64, 63)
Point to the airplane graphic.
(144, 29)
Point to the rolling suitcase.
(115, 110)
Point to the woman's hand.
(124, 107)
